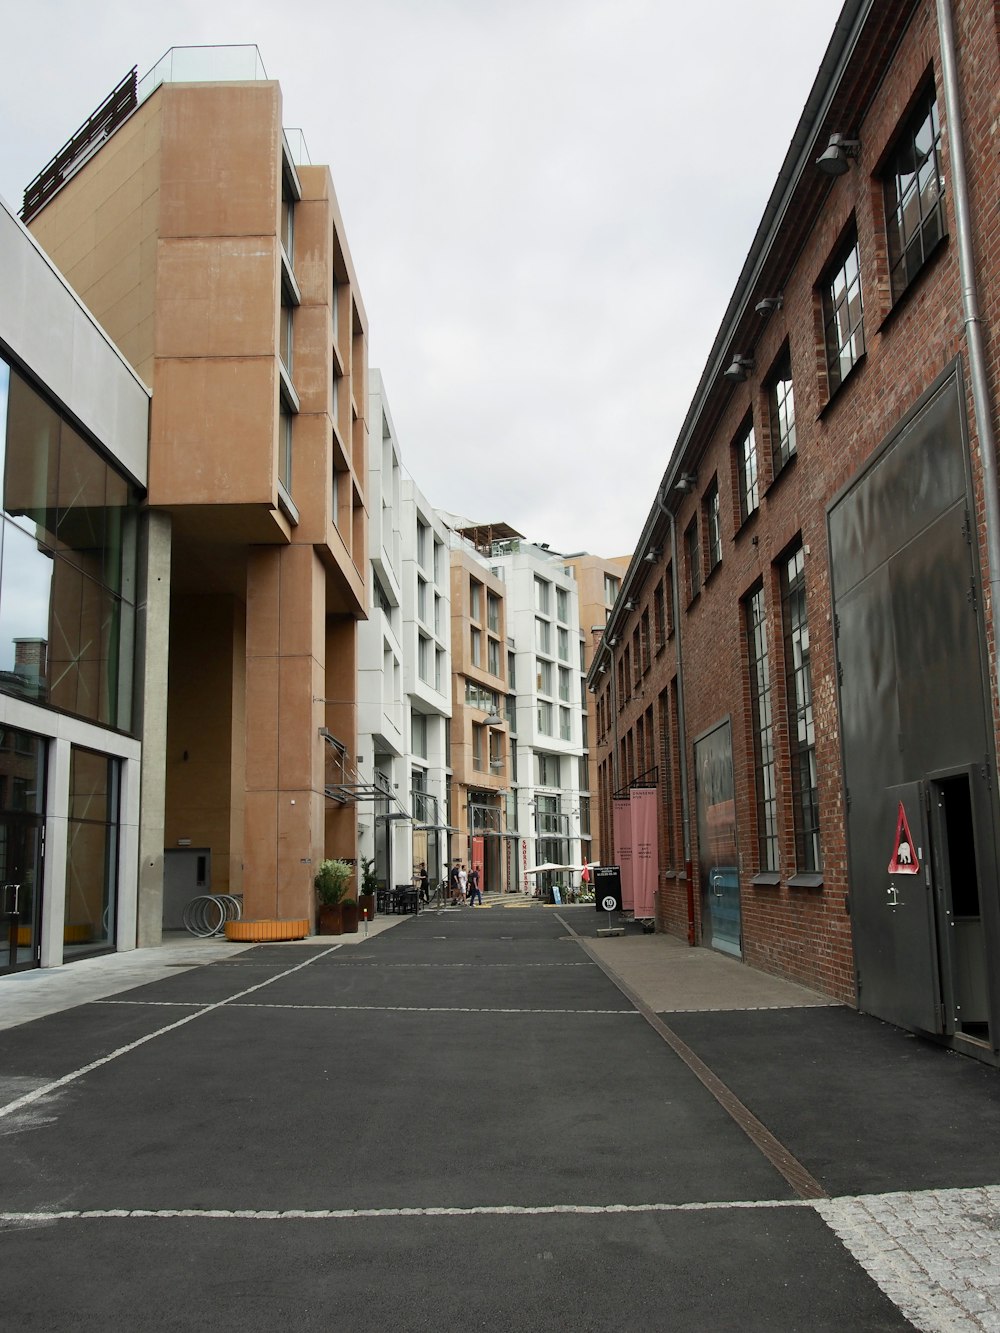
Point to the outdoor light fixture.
(630, 603)
(653, 554)
(834, 158)
(739, 369)
(768, 306)
(687, 481)
(494, 720)
(613, 641)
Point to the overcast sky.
(548, 203)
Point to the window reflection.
(67, 564)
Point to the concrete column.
(152, 640)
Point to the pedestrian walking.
(463, 881)
(454, 885)
(473, 891)
(424, 889)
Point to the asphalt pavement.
(486, 1119)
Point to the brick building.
(803, 652)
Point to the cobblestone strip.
(935, 1253)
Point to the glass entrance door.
(20, 891)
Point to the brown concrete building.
(804, 648)
(216, 257)
(480, 754)
(598, 583)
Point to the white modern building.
(78, 616)
(543, 624)
(404, 668)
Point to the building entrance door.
(717, 853)
(21, 847)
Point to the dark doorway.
(956, 875)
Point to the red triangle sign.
(904, 857)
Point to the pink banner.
(645, 851)
(623, 848)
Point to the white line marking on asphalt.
(371, 1008)
(19, 1103)
(351, 1214)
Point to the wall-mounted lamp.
(738, 369)
(768, 306)
(494, 720)
(653, 554)
(833, 161)
(687, 481)
(613, 641)
(630, 603)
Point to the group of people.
(462, 884)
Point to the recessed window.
(713, 525)
(914, 188)
(843, 312)
(476, 645)
(693, 558)
(781, 410)
(763, 731)
(801, 723)
(493, 656)
(748, 480)
(542, 595)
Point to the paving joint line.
(780, 1157)
(29, 1097)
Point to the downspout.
(972, 320)
(681, 727)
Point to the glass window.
(476, 644)
(781, 409)
(542, 595)
(475, 600)
(545, 719)
(748, 487)
(611, 586)
(477, 746)
(543, 677)
(713, 525)
(565, 724)
(511, 670)
(548, 770)
(564, 684)
(421, 600)
(418, 734)
(288, 220)
(563, 640)
(285, 447)
(659, 614)
(422, 531)
(542, 636)
(285, 335)
(493, 612)
(914, 188)
(493, 656)
(801, 727)
(843, 315)
(693, 558)
(423, 658)
(91, 852)
(562, 605)
(763, 731)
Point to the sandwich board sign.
(607, 888)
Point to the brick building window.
(763, 731)
(713, 525)
(644, 636)
(801, 726)
(781, 410)
(748, 481)
(914, 185)
(659, 615)
(693, 555)
(843, 313)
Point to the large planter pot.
(351, 917)
(366, 906)
(330, 920)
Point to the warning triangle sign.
(904, 857)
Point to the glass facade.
(801, 725)
(91, 853)
(67, 564)
(843, 313)
(914, 188)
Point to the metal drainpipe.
(681, 727)
(972, 320)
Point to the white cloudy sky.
(548, 203)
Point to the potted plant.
(332, 881)
(351, 915)
(366, 898)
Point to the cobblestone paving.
(935, 1254)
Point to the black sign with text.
(607, 888)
